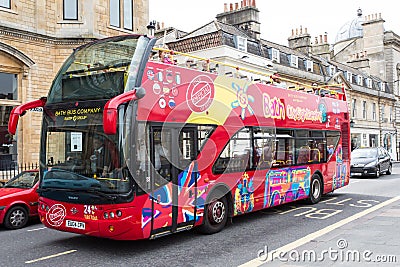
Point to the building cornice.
(42, 38)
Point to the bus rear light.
(112, 215)
(105, 215)
(119, 213)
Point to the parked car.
(19, 200)
(370, 161)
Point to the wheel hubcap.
(17, 218)
(316, 188)
(217, 212)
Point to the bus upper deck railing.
(336, 91)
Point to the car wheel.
(315, 189)
(16, 218)
(389, 171)
(215, 216)
(378, 171)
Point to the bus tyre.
(16, 217)
(215, 216)
(315, 189)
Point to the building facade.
(35, 39)
(365, 45)
(365, 58)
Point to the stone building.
(364, 58)
(35, 39)
(365, 45)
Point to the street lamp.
(352, 123)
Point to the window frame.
(117, 16)
(76, 10)
(364, 105)
(5, 5)
(124, 5)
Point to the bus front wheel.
(215, 216)
(315, 189)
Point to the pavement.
(369, 240)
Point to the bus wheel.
(315, 189)
(215, 216)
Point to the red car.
(19, 200)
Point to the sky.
(278, 18)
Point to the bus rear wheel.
(215, 216)
(315, 189)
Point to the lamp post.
(352, 123)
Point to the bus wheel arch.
(218, 207)
(316, 188)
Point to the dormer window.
(332, 70)
(309, 65)
(241, 43)
(359, 79)
(294, 61)
(369, 82)
(380, 86)
(275, 55)
(348, 76)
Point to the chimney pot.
(225, 7)
(297, 31)
(316, 40)
(320, 39)
(254, 3)
(292, 32)
(242, 4)
(305, 30)
(162, 25)
(325, 38)
(236, 6)
(231, 7)
(301, 29)
(380, 15)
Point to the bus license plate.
(75, 224)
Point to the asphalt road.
(237, 244)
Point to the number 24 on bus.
(133, 148)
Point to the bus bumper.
(93, 220)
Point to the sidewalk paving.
(372, 240)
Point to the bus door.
(174, 178)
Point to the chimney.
(300, 41)
(254, 3)
(321, 47)
(244, 16)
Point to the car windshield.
(23, 180)
(364, 153)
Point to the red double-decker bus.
(133, 148)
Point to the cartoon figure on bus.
(339, 178)
(244, 195)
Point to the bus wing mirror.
(110, 113)
(21, 110)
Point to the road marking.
(37, 229)
(52, 256)
(308, 238)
